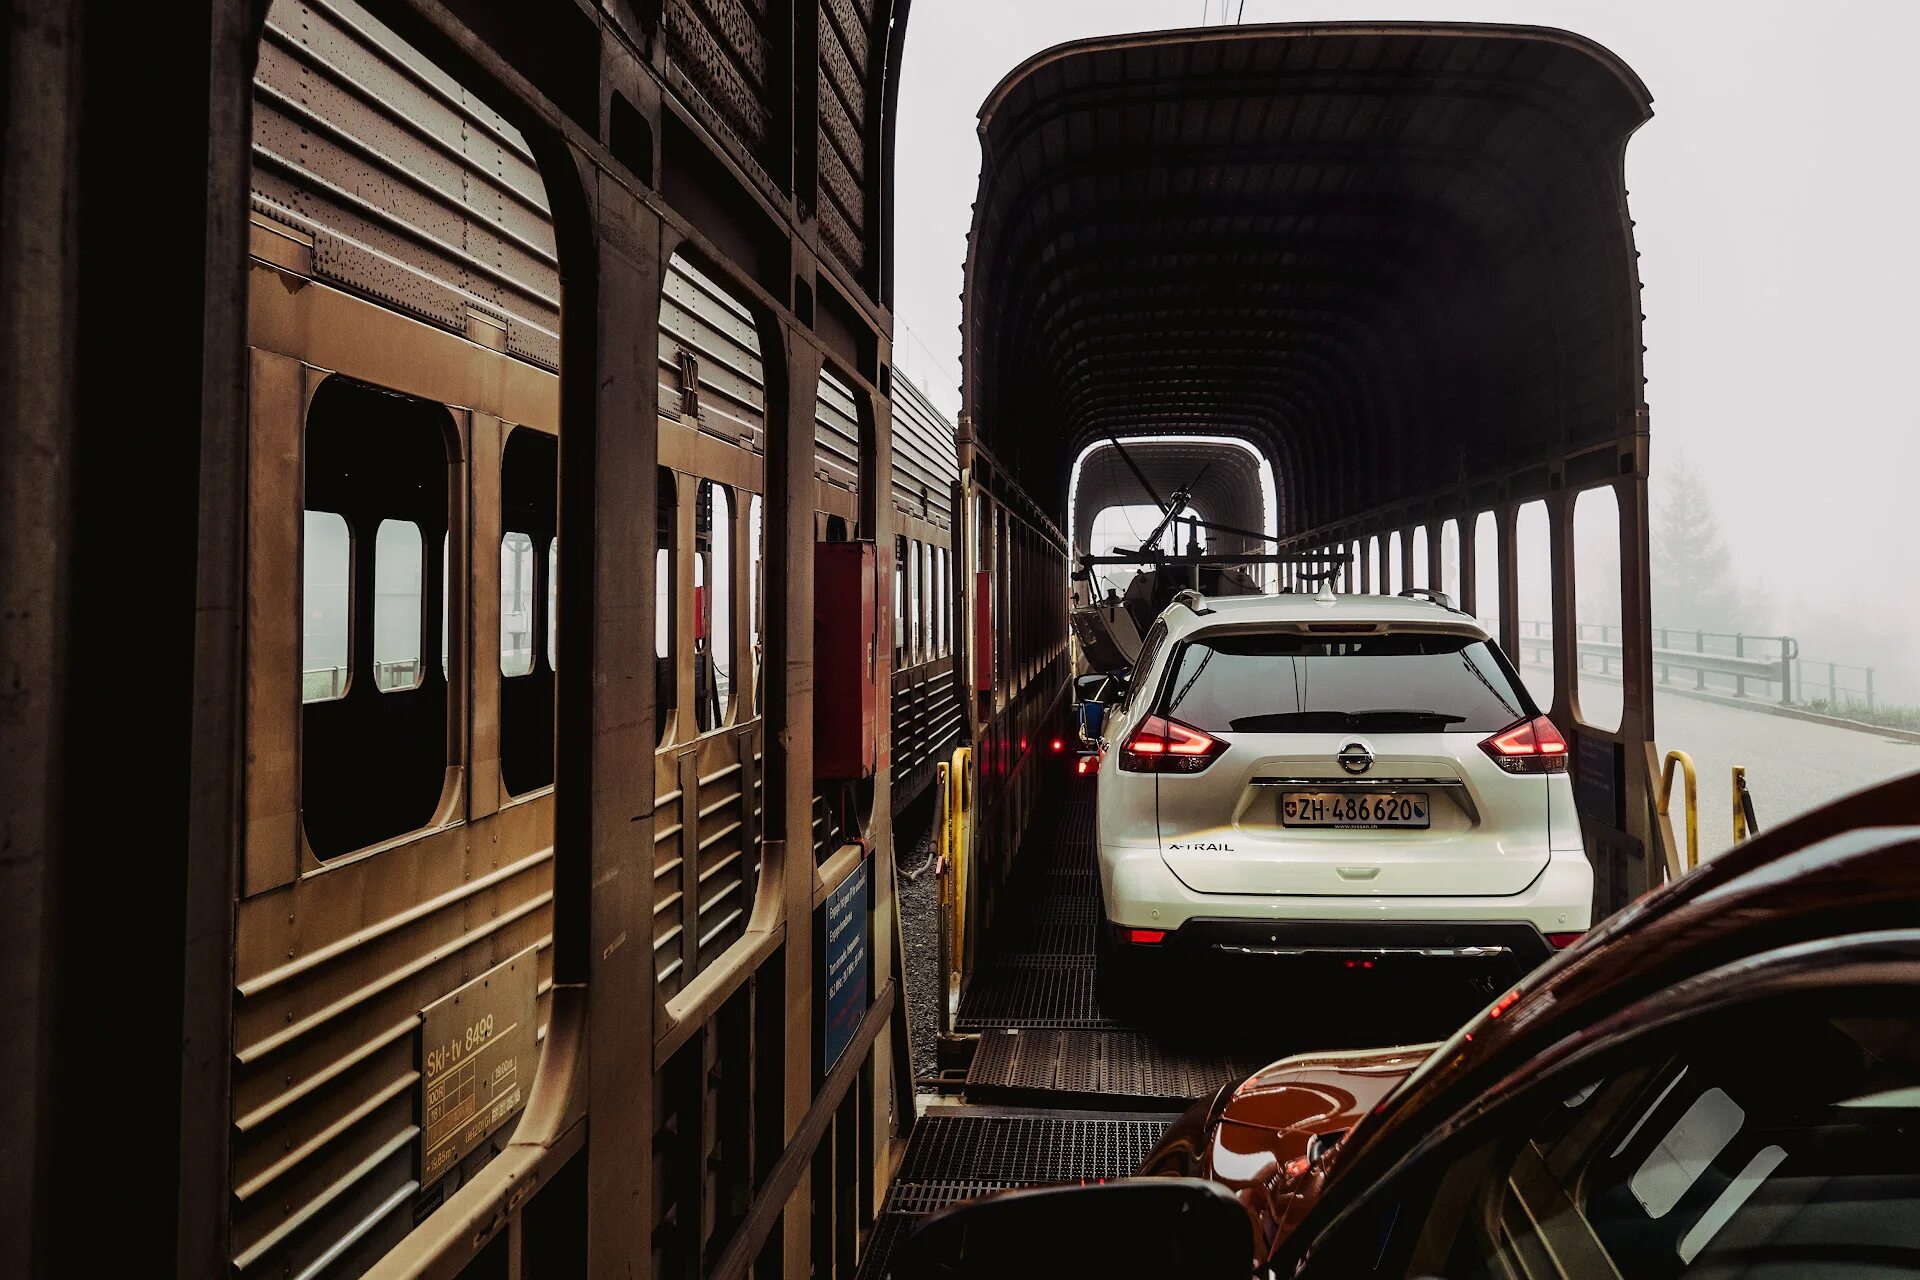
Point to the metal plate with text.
(476, 1061)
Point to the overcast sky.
(1775, 189)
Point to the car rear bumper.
(1139, 890)
(1516, 941)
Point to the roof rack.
(1440, 598)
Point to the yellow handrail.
(955, 838)
(1685, 762)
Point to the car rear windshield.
(1397, 682)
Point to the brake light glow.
(1059, 745)
(1160, 745)
(1561, 941)
(1145, 937)
(1532, 746)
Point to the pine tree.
(1692, 575)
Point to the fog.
(1773, 190)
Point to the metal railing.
(1716, 661)
(1841, 685)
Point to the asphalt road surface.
(1792, 765)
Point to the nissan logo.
(1355, 758)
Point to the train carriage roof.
(1397, 258)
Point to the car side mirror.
(1145, 1227)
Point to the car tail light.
(1532, 746)
(1144, 937)
(1159, 745)
(1561, 941)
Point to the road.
(1792, 765)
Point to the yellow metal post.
(1741, 828)
(1685, 762)
(955, 842)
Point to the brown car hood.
(1259, 1147)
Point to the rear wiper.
(1402, 713)
(1332, 721)
(1292, 722)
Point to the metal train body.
(404, 315)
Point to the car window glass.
(1403, 681)
(1776, 1143)
(1143, 667)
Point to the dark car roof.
(1850, 868)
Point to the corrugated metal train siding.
(927, 719)
(924, 462)
(836, 434)
(414, 192)
(702, 323)
(420, 198)
(326, 1079)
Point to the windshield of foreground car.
(1398, 682)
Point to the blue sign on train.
(844, 999)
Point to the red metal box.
(845, 660)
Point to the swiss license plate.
(1355, 809)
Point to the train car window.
(398, 605)
(529, 509)
(899, 600)
(664, 685)
(916, 598)
(446, 605)
(553, 604)
(1450, 560)
(1004, 606)
(934, 601)
(324, 604)
(373, 757)
(756, 597)
(1422, 575)
(1395, 577)
(713, 626)
(929, 603)
(1486, 573)
(1533, 570)
(1596, 585)
(516, 604)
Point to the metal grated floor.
(961, 1152)
(1126, 1068)
(1042, 972)
(1041, 976)
(1033, 991)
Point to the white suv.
(1356, 777)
